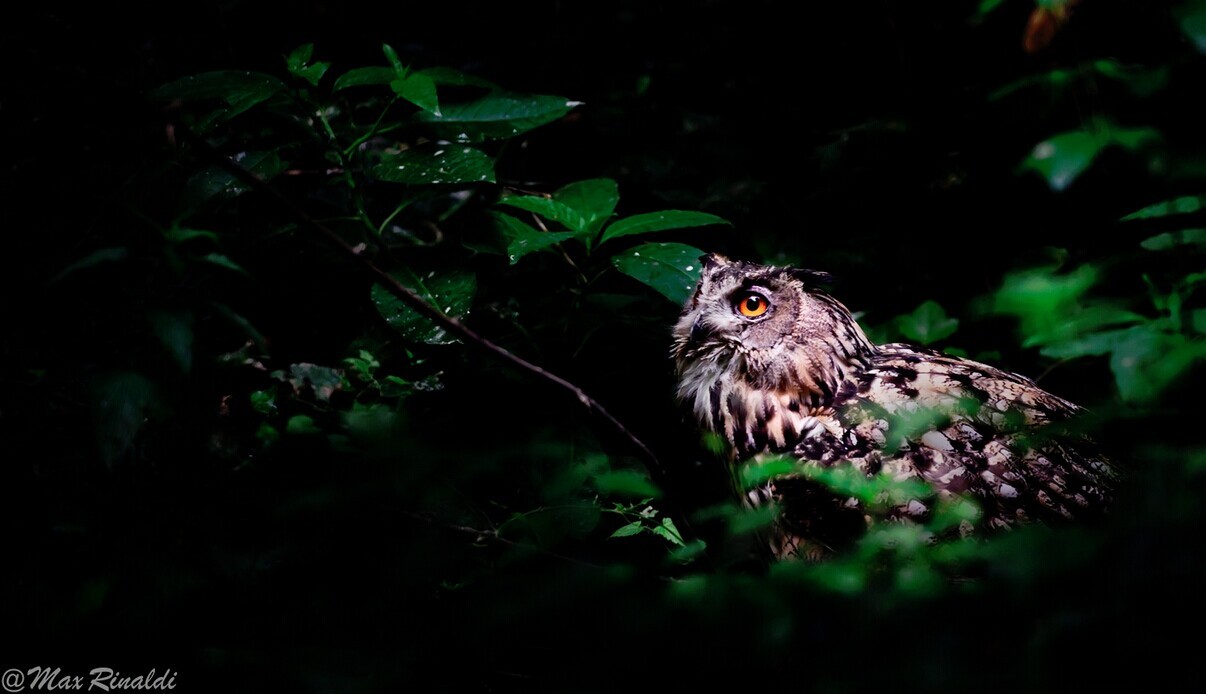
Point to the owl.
(776, 367)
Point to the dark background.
(857, 138)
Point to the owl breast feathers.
(776, 366)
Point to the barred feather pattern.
(802, 379)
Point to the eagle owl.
(776, 366)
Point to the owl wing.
(968, 429)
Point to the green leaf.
(215, 182)
(392, 57)
(223, 261)
(928, 324)
(433, 164)
(594, 199)
(629, 530)
(97, 257)
(1183, 205)
(1064, 157)
(495, 116)
(174, 330)
(1192, 18)
(263, 401)
(659, 221)
(688, 552)
(237, 90)
(451, 292)
(298, 60)
(672, 269)
(549, 209)
(302, 425)
(418, 89)
(1197, 320)
(626, 483)
(365, 76)
(523, 239)
(1170, 240)
(758, 472)
(669, 532)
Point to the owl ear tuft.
(713, 260)
(811, 278)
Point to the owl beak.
(700, 330)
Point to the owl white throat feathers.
(775, 366)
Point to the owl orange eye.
(752, 305)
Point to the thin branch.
(450, 325)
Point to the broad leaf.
(298, 64)
(434, 164)
(495, 116)
(1192, 17)
(523, 239)
(669, 532)
(626, 483)
(174, 330)
(365, 76)
(926, 325)
(418, 89)
(670, 268)
(548, 208)
(659, 221)
(450, 292)
(216, 182)
(1061, 159)
(629, 530)
(594, 199)
(237, 90)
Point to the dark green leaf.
(122, 403)
(496, 116)
(688, 552)
(670, 268)
(302, 425)
(179, 235)
(1192, 17)
(298, 60)
(215, 182)
(451, 292)
(104, 255)
(659, 221)
(1197, 321)
(174, 330)
(523, 239)
(418, 89)
(237, 90)
(758, 472)
(224, 262)
(263, 401)
(436, 164)
(365, 76)
(626, 483)
(392, 57)
(928, 324)
(629, 530)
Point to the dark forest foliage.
(235, 452)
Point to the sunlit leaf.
(523, 239)
(436, 164)
(927, 324)
(495, 116)
(450, 292)
(668, 531)
(629, 530)
(659, 221)
(670, 268)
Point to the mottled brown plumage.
(777, 366)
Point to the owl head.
(768, 328)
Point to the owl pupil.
(753, 303)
